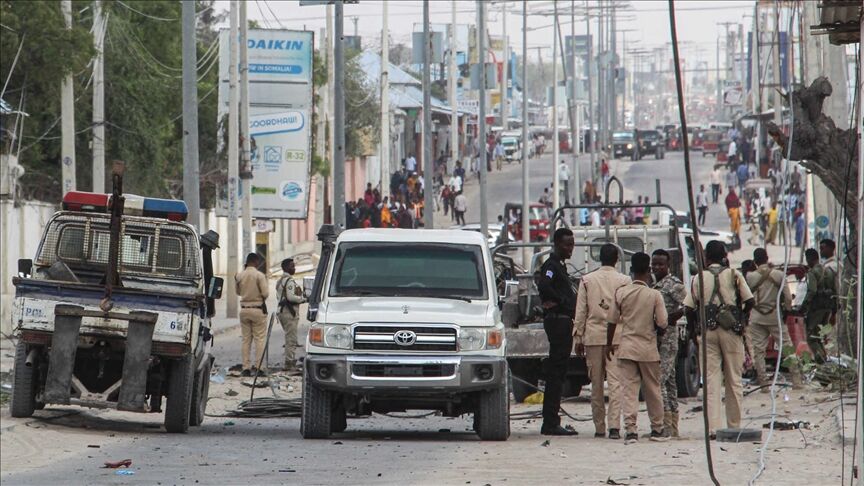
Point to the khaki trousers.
(253, 325)
(289, 325)
(645, 373)
(758, 334)
(725, 353)
(600, 369)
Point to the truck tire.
(339, 420)
(492, 417)
(317, 410)
(200, 394)
(178, 410)
(687, 371)
(25, 384)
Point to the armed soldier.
(820, 301)
(253, 290)
(674, 293)
(290, 297)
(765, 283)
(595, 297)
(559, 301)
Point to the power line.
(153, 17)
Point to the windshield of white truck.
(417, 270)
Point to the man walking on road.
(460, 205)
(702, 204)
(253, 290)
(674, 293)
(564, 180)
(716, 179)
(766, 319)
(290, 297)
(642, 315)
(594, 300)
(733, 209)
(559, 301)
(724, 342)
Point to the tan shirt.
(764, 309)
(729, 280)
(593, 301)
(252, 286)
(636, 309)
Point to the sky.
(646, 21)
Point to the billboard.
(280, 107)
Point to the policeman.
(559, 300)
(765, 283)
(641, 312)
(595, 297)
(253, 290)
(819, 302)
(724, 348)
(290, 297)
(674, 293)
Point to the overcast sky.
(647, 20)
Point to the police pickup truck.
(114, 311)
(401, 320)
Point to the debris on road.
(116, 464)
(124, 472)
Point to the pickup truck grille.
(404, 338)
(403, 370)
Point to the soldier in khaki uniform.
(253, 290)
(593, 301)
(724, 348)
(290, 297)
(765, 283)
(641, 312)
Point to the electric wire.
(14, 63)
(696, 243)
(152, 17)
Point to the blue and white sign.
(280, 103)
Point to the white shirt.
(455, 182)
(411, 164)
(460, 203)
(715, 177)
(563, 173)
(595, 218)
(702, 199)
(733, 149)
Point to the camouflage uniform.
(673, 292)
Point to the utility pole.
(246, 149)
(505, 101)
(98, 100)
(613, 71)
(775, 59)
(67, 113)
(575, 129)
(320, 134)
(481, 118)
(451, 85)
(595, 171)
(233, 167)
(355, 20)
(428, 162)
(526, 227)
(329, 209)
(385, 98)
(339, 117)
(601, 79)
(191, 175)
(726, 67)
(555, 149)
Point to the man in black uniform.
(559, 305)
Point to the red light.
(85, 201)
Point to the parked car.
(651, 142)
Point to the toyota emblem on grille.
(405, 338)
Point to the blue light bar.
(172, 209)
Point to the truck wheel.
(200, 394)
(317, 410)
(177, 411)
(687, 371)
(492, 417)
(25, 383)
(339, 420)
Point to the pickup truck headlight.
(327, 336)
(472, 339)
(629, 145)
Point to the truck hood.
(351, 310)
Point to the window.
(409, 269)
(629, 245)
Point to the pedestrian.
(545, 198)
(499, 154)
(595, 217)
(559, 302)
(800, 226)
(767, 318)
(369, 194)
(724, 343)
(743, 173)
(445, 199)
(589, 192)
(646, 212)
(639, 211)
(702, 204)
(595, 298)
(772, 219)
(604, 172)
(460, 205)
(795, 180)
(674, 293)
(642, 315)
(564, 181)
(819, 302)
(410, 164)
(253, 290)
(731, 177)
(290, 297)
(732, 153)
(386, 215)
(716, 179)
(733, 209)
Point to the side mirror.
(214, 287)
(308, 283)
(25, 267)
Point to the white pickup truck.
(404, 319)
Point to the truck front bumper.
(407, 374)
